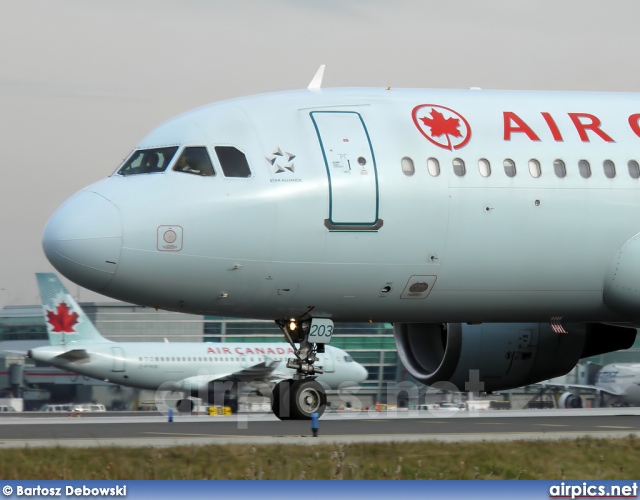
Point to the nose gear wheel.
(298, 399)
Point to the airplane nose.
(83, 239)
(363, 374)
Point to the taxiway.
(155, 430)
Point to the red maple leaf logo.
(62, 321)
(440, 122)
(440, 125)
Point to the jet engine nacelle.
(500, 355)
(569, 400)
(621, 292)
(184, 406)
(214, 393)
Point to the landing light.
(293, 325)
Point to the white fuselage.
(184, 366)
(345, 233)
(621, 380)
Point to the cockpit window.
(233, 162)
(148, 161)
(348, 359)
(195, 160)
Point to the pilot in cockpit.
(152, 162)
(186, 164)
(183, 164)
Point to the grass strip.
(583, 458)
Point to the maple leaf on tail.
(440, 125)
(62, 321)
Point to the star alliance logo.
(282, 162)
(278, 157)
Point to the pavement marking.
(551, 425)
(491, 423)
(183, 434)
(212, 436)
(613, 427)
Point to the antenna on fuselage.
(316, 83)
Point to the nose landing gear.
(302, 396)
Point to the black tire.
(307, 397)
(231, 399)
(232, 404)
(281, 400)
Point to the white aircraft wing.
(73, 355)
(78, 356)
(262, 371)
(580, 386)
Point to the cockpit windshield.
(348, 359)
(195, 160)
(148, 161)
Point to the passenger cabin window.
(195, 160)
(634, 169)
(609, 169)
(534, 168)
(148, 161)
(509, 167)
(433, 165)
(458, 167)
(233, 162)
(584, 168)
(485, 167)
(408, 168)
(559, 168)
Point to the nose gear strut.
(298, 398)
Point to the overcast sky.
(82, 81)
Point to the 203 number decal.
(321, 330)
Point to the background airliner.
(441, 211)
(617, 384)
(211, 371)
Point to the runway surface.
(155, 430)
